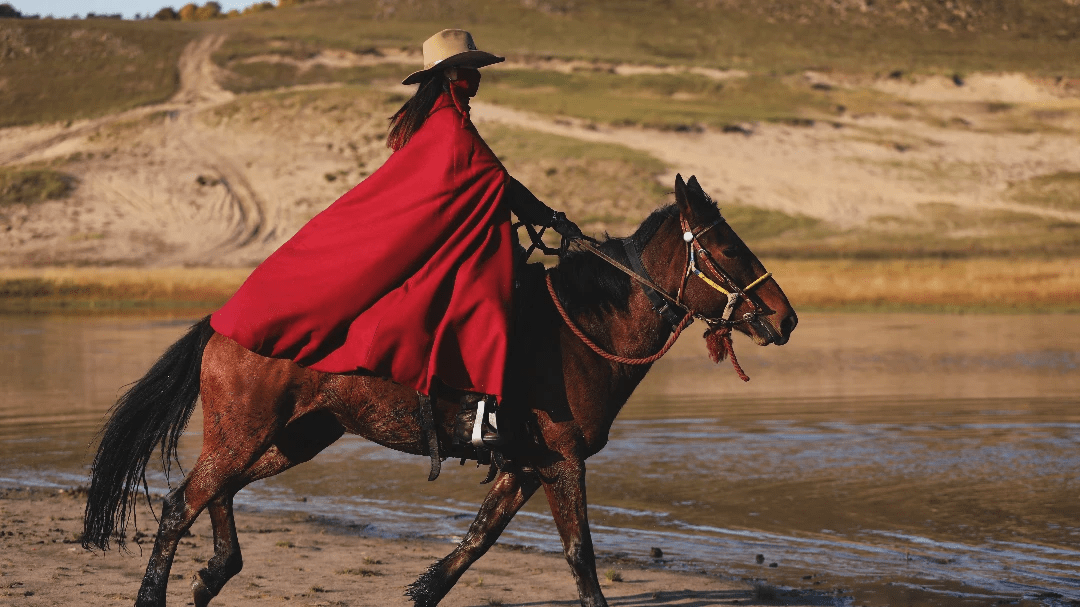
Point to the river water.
(880, 459)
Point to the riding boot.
(478, 424)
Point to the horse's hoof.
(200, 592)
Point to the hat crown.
(451, 48)
(446, 44)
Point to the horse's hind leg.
(507, 495)
(226, 561)
(300, 441)
(210, 483)
(175, 520)
(204, 486)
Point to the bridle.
(696, 256)
(673, 309)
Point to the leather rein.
(672, 308)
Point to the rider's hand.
(566, 228)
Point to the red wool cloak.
(408, 275)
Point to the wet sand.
(300, 560)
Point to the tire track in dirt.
(241, 214)
(244, 211)
(197, 87)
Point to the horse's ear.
(680, 195)
(689, 197)
(695, 186)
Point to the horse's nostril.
(788, 324)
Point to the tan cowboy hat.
(451, 48)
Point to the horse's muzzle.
(766, 332)
(784, 329)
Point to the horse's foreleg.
(564, 484)
(227, 560)
(507, 495)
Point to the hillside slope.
(274, 116)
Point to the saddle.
(476, 433)
(482, 430)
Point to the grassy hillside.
(944, 174)
(54, 70)
(133, 63)
(1038, 36)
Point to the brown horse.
(263, 416)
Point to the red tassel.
(714, 340)
(719, 342)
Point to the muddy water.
(878, 459)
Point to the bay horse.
(574, 362)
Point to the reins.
(604, 353)
(720, 328)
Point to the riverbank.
(313, 561)
(887, 285)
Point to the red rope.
(613, 357)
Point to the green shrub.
(31, 186)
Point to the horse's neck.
(637, 332)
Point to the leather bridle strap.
(645, 282)
(664, 308)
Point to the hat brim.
(476, 59)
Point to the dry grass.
(111, 289)
(765, 37)
(997, 285)
(974, 285)
(134, 63)
(1056, 191)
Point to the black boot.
(478, 424)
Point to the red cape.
(408, 275)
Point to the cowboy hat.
(451, 48)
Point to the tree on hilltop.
(166, 14)
(187, 12)
(8, 12)
(210, 10)
(258, 8)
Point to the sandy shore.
(299, 560)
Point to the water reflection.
(897, 456)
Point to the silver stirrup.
(478, 423)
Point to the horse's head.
(723, 280)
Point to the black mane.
(586, 283)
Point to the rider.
(408, 275)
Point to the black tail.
(154, 411)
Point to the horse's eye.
(730, 251)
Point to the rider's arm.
(530, 209)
